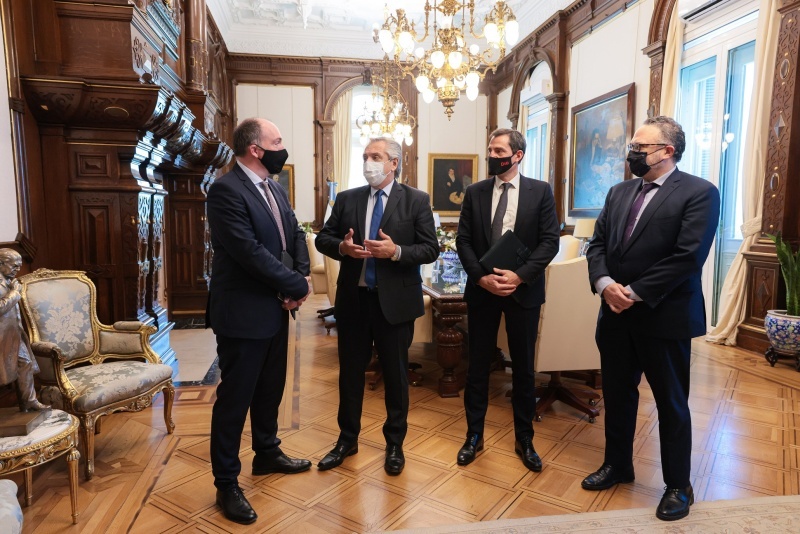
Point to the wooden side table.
(56, 436)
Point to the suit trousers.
(522, 329)
(253, 375)
(626, 353)
(357, 335)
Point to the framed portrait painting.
(601, 131)
(286, 179)
(448, 178)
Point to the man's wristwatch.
(396, 255)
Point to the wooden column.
(765, 289)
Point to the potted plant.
(783, 326)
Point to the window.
(715, 91)
(362, 96)
(534, 122)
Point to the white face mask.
(373, 172)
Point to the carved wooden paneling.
(155, 255)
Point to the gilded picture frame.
(448, 178)
(600, 133)
(286, 179)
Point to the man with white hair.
(381, 233)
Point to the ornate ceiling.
(335, 28)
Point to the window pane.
(738, 96)
(695, 114)
(543, 150)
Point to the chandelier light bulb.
(472, 92)
(437, 59)
(460, 41)
(512, 32)
(386, 40)
(441, 82)
(472, 79)
(422, 83)
(419, 52)
(491, 33)
(406, 42)
(409, 140)
(428, 95)
(474, 49)
(454, 59)
(447, 22)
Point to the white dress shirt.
(368, 223)
(513, 201)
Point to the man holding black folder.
(260, 271)
(505, 277)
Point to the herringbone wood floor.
(746, 437)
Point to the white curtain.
(733, 290)
(671, 70)
(342, 134)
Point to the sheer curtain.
(733, 289)
(671, 70)
(342, 135)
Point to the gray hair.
(393, 150)
(672, 133)
(247, 133)
(515, 139)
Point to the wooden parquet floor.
(746, 444)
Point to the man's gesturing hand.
(381, 248)
(348, 248)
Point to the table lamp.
(584, 230)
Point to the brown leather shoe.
(606, 477)
(675, 503)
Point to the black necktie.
(500, 213)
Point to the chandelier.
(386, 113)
(450, 65)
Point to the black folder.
(508, 253)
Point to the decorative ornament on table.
(449, 255)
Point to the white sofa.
(10, 510)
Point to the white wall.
(9, 226)
(607, 59)
(464, 133)
(292, 110)
(503, 105)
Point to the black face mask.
(499, 165)
(637, 161)
(273, 160)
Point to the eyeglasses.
(637, 147)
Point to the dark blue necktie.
(370, 276)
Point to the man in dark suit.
(381, 233)
(259, 272)
(650, 243)
(507, 201)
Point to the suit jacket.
(247, 272)
(408, 220)
(663, 259)
(536, 226)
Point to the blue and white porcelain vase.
(783, 331)
(452, 266)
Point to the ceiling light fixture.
(450, 65)
(386, 114)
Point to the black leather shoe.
(675, 504)
(395, 461)
(525, 450)
(279, 464)
(337, 455)
(468, 451)
(235, 506)
(606, 477)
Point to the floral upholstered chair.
(90, 369)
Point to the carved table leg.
(28, 486)
(449, 345)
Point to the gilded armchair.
(87, 368)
